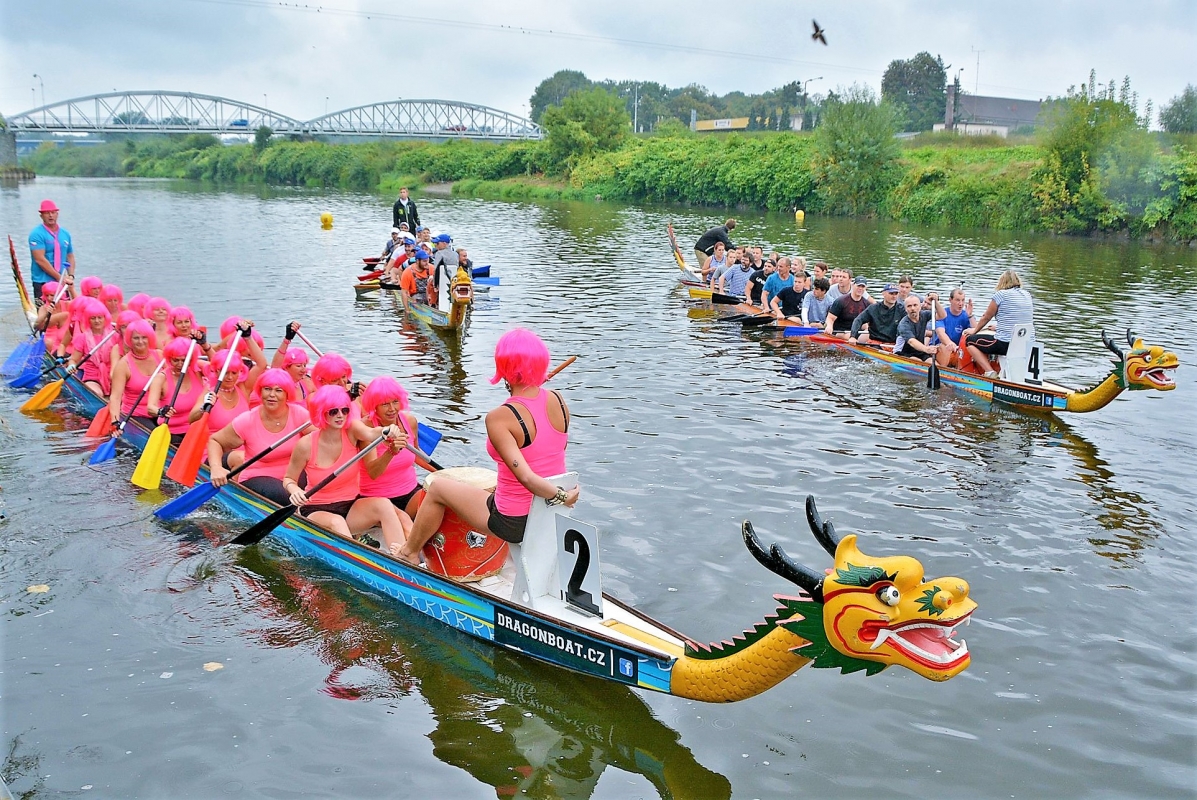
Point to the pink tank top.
(546, 457)
(178, 423)
(220, 415)
(346, 485)
(249, 427)
(98, 368)
(398, 478)
(137, 381)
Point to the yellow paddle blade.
(148, 474)
(43, 397)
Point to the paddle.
(757, 321)
(486, 281)
(148, 474)
(16, 362)
(803, 330)
(259, 531)
(933, 370)
(107, 449)
(191, 451)
(28, 373)
(195, 497)
(480, 272)
(49, 393)
(101, 423)
(726, 299)
(308, 342)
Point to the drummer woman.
(132, 373)
(340, 506)
(1010, 307)
(273, 413)
(162, 390)
(526, 436)
(390, 472)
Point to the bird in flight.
(818, 34)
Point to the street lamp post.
(805, 83)
(43, 85)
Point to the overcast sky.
(355, 52)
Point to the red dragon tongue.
(931, 640)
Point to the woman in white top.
(1010, 307)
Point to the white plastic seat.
(1014, 363)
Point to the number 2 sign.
(578, 565)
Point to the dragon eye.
(889, 595)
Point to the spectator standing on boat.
(1010, 307)
(51, 250)
(735, 280)
(788, 302)
(844, 311)
(526, 436)
(914, 331)
(274, 411)
(881, 319)
(404, 210)
(704, 248)
(949, 328)
(816, 303)
(716, 263)
(779, 280)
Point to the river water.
(1075, 532)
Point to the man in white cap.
(50, 247)
(392, 243)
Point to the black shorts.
(910, 352)
(269, 487)
(402, 500)
(509, 529)
(988, 344)
(341, 508)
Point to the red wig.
(154, 304)
(88, 307)
(521, 357)
(111, 292)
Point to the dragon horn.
(776, 561)
(824, 531)
(1115, 349)
(1130, 337)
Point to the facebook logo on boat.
(627, 667)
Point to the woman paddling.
(293, 360)
(230, 398)
(339, 506)
(132, 372)
(157, 312)
(273, 412)
(390, 472)
(97, 370)
(526, 436)
(189, 383)
(113, 299)
(1010, 307)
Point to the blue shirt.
(954, 324)
(776, 283)
(42, 239)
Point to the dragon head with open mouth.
(1143, 366)
(868, 613)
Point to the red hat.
(47, 205)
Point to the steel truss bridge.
(186, 112)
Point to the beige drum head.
(473, 476)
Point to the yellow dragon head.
(462, 287)
(1143, 366)
(868, 613)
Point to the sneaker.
(369, 541)
(991, 374)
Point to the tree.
(262, 137)
(553, 90)
(131, 118)
(856, 153)
(586, 121)
(1180, 115)
(916, 87)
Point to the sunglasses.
(337, 412)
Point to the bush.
(588, 121)
(856, 152)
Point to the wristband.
(558, 498)
(246, 331)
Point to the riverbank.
(961, 181)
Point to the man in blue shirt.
(782, 279)
(50, 248)
(951, 323)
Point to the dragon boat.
(450, 313)
(545, 601)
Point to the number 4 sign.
(578, 565)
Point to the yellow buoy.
(326, 220)
(799, 216)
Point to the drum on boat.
(455, 550)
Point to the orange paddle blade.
(101, 425)
(184, 467)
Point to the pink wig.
(324, 399)
(382, 389)
(236, 366)
(139, 326)
(137, 303)
(229, 327)
(521, 357)
(91, 286)
(295, 356)
(180, 313)
(89, 307)
(125, 317)
(111, 292)
(330, 368)
(277, 378)
(49, 289)
(177, 348)
(154, 304)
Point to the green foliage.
(856, 156)
(1180, 115)
(588, 121)
(1175, 209)
(553, 90)
(916, 87)
(262, 137)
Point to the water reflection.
(517, 725)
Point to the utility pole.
(977, 81)
(636, 110)
(805, 83)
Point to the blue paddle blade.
(481, 272)
(187, 502)
(427, 438)
(486, 281)
(104, 452)
(800, 330)
(16, 362)
(27, 379)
